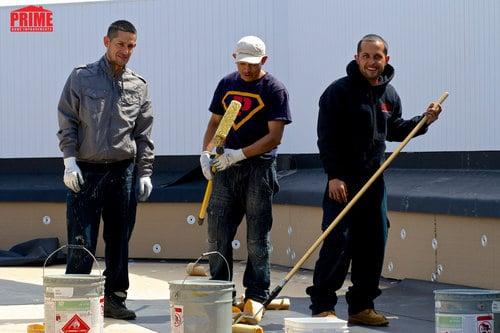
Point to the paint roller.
(221, 133)
(252, 313)
(192, 269)
(279, 304)
(242, 328)
(40, 328)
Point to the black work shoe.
(329, 314)
(114, 307)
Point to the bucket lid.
(466, 295)
(466, 292)
(318, 322)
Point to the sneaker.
(114, 307)
(329, 314)
(368, 317)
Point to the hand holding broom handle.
(351, 203)
(221, 133)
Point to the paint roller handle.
(204, 203)
(74, 247)
(273, 295)
(208, 191)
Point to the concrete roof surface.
(409, 304)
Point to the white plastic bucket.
(201, 305)
(74, 302)
(467, 310)
(315, 325)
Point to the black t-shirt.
(261, 100)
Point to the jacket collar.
(108, 69)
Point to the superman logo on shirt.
(250, 105)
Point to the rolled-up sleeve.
(67, 114)
(142, 137)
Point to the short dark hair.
(120, 25)
(373, 38)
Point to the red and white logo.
(485, 324)
(386, 107)
(177, 316)
(76, 325)
(31, 19)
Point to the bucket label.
(73, 305)
(495, 307)
(449, 323)
(60, 292)
(76, 325)
(464, 323)
(485, 324)
(74, 315)
(63, 292)
(177, 318)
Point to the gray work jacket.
(105, 118)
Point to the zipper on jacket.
(374, 116)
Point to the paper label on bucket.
(73, 305)
(75, 315)
(457, 323)
(177, 318)
(60, 292)
(63, 292)
(495, 307)
(449, 323)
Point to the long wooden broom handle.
(351, 203)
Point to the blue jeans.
(108, 192)
(358, 240)
(245, 189)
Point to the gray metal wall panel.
(184, 48)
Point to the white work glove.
(206, 164)
(73, 177)
(144, 188)
(227, 159)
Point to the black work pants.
(108, 192)
(358, 240)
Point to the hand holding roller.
(221, 133)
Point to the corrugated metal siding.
(184, 48)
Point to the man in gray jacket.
(105, 120)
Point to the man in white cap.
(245, 179)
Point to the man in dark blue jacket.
(357, 114)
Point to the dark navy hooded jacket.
(355, 119)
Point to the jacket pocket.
(129, 105)
(93, 104)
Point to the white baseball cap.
(250, 49)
